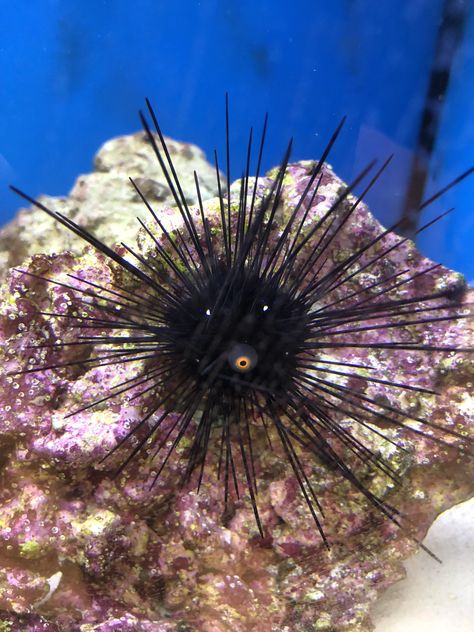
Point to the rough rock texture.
(104, 201)
(84, 551)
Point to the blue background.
(73, 73)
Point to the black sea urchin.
(237, 319)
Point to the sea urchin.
(237, 321)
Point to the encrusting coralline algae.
(84, 551)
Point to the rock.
(84, 550)
(105, 201)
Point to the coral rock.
(85, 551)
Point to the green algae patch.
(96, 524)
(30, 550)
